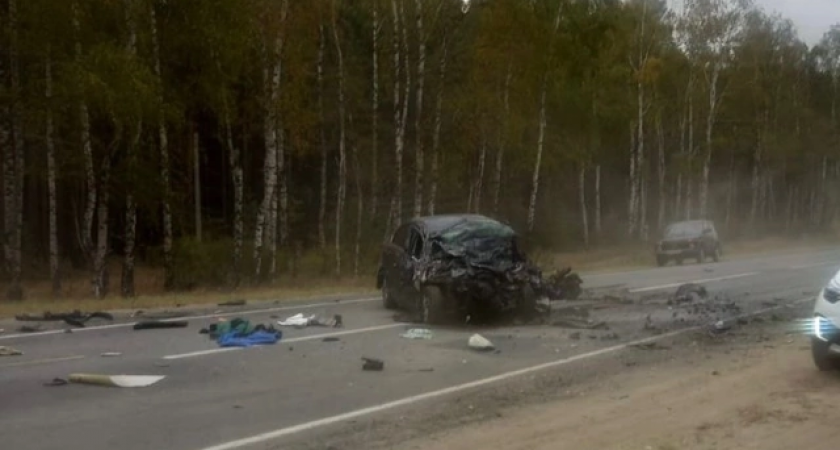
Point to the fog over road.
(303, 387)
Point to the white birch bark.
(419, 168)
(234, 160)
(661, 172)
(633, 202)
(689, 198)
(405, 104)
(271, 88)
(479, 179)
(127, 280)
(342, 154)
(86, 237)
(374, 168)
(55, 275)
(163, 143)
(535, 179)
(396, 197)
(282, 172)
(710, 123)
(360, 205)
(598, 200)
(434, 173)
(500, 153)
(322, 204)
(584, 218)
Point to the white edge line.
(204, 316)
(259, 438)
(808, 266)
(706, 280)
(284, 341)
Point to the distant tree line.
(227, 141)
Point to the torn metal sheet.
(158, 324)
(123, 381)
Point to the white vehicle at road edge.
(825, 338)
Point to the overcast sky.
(811, 17)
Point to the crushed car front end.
(825, 332)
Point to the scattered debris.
(75, 318)
(718, 328)
(715, 372)
(650, 346)
(9, 351)
(161, 315)
(233, 303)
(480, 343)
(575, 335)
(30, 329)
(239, 332)
(301, 321)
(56, 382)
(110, 354)
(159, 324)
(330, 339)
(610, 337)
(688, 293)
(418, 333)
(124, 381)
(373, 365)
(580, 324)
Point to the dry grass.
(76, 287)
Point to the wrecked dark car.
(465, 267)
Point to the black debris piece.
(159, 324)
(650, 346)
(29, 329)
(233, 303)
(330, 339)
(56, 382)
(688, 293)
(74, 318)
(373, 365)
(338, 321)
(574, 336)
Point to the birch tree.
(419, 165)
(342, 156)
(12, 136)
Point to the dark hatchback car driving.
(695, 239)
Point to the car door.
(413, 256)
(393, 257)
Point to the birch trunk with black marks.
(55, 275)
(322, 204)
(342, 154)
(101, 276)
(584, 219)
(163, 143)
(374, 168)
(479, 179)
(419, 168)
(598, 200)
(710, 123)
(731, 193)
(235, 162)
(127, 280)
(756, 170)
(633, 202)
(661, 169)
(13, 164)
(283, 172)
(433, 185)
(500, 153)
(689, 197)
(271, 89)
(6, 144)
(360, 204)
(406, 99)
(196, 160)
(86, 234)
(535, 179)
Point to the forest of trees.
(237, 141)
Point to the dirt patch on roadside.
(763, 395)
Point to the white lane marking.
(205, 316)
(271, 435)
(706, 280)
(808, 266)
(284, 341)
(42, 361)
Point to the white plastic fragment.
(418, 333)
(124, 381)
(479, 342)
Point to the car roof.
(438, 223)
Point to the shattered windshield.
(481, 239)
(683, 230)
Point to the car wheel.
(701, 256)
(822, 355)
(432, 306)
(661, 260)
(716, 254)
(387, 298)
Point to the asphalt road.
(259, 397)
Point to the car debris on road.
(123, 381)
(74, 318)
(301, 321)
(480, 343)
(372, 364)
(9, 351)
(159, 324)
(239, 332)
(418, 333)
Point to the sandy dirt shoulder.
(762, 392)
